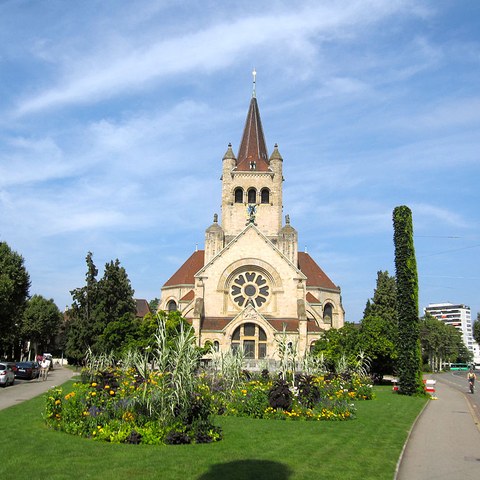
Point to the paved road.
(445, 441)
(458, 381)
(26, 389)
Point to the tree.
(378, 342)
(441, 343)
(99, 309)
(14, 287)
(41, 322)
(173, 321)
(80, 333)
(408, 340)
(153, 304)
(116, 308)
(335, 343)
(379, 325)
(476, 329)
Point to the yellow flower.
(57, 402)
(112, 392)
(94, 384)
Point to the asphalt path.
(26, 389)
(458, 381)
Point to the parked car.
(7, 373)
(27, 370)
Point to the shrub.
(280, 396)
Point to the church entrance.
(252, 338)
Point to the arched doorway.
(252, 338)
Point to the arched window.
(265, 195)
(327, 313)
(252, 338)
(172, 306)
(216, 346)
(239, 195)
(252, 196)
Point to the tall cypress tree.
(408, 340)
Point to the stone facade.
(250, 283)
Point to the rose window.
(250, 286)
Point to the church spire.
(253, 154)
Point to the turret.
(214, 239)
(288, 241)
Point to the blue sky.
(115, 115)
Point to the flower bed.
(312, 397)
(124, 407)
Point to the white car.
(7, 374)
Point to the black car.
(27, 370)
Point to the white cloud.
(295, 33)
(27, 160)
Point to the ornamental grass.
(162, 398)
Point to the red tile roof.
(316, 277)
(185, 274)
(312, 299)
(291, 324)
(312, 327)
(253, 146)
(215, 323)
(188, 296)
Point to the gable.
(252, 246)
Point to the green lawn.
(365, 448)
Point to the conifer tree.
(379, 325)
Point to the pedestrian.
(44, 366)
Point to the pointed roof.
(253, 146)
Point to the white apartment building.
(459, 316)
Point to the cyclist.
(471, 379)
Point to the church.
(250, 284)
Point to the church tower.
(252, 182)
(251, 285)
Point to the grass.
(367, 448)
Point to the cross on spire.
(254, 73)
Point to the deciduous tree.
(335, 343)
(441, 343)
(14, 287)
(476, 329)
(41, 323)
